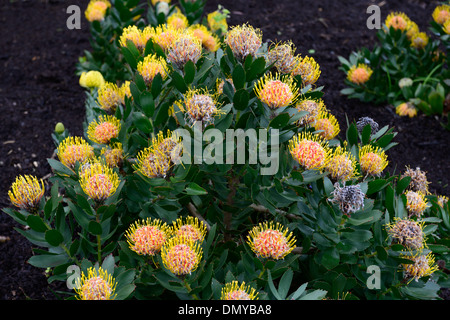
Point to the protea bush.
(217, 172)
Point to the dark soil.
(38, 88)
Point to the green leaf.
(142, 122)
(179, 83)
(189, 72)
(436, 100)
(129, 58)
(256, 69)
(241, 99)
(280, 121)
(95, 228)
(59, 167)
(195, 190)
(375, 186)
(285, 283)
(238, 77)
(330, 258)
(54, 237)
(403, 184)
(36, 223)
(147, 103)
(352, 135)
(48, 260)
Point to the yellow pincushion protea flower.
(189, 227)
(96, 10)
(134, 34)
(423, 266)
(407, 232)
(234, 291)
(310, 150)
(113, 154)
(165, 35)
(98, 180)
(419, 40)
(97, 284)
(73, 149)
(181, 255)
(313, 106)
(103, 130)
(398, 21)
(199, 105)
(177, 20)
(217, 20)
(147, 237)
(244, 40)
(359, 74)
(442, 201)
(91, 79)
(271, 240)
(110, 96)
(441, 14)
(342, 165)
(308, 69)
(406, 109)
(169, 146)
(150, 67)
(276, 91)
(372, 160)
(186, 47)
(153, 163)
(328, 123)
(26, 192)
(416, 203)
(281, 55)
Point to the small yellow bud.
(91, 79)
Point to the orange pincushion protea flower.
(398, 21)
(165, 36)
(234, 291)
(308, 69)
(441, 14)
(104, 130)
(406, 109)
(372, 160)
(310, 151)
(276, 91)
(26, 192)
(147, 237)
(244, 40)
(359, 74)
(150, 67)
(181, 255)
(98, 180)
(113, 154)
(96, 285)
(189, 227)
(271, 240)
(73, 149)
(96, 10)
(326, 122)
(178, 20)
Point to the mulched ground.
(38, 88)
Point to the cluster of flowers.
(359, 74)
(179, 246)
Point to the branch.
(193, 210)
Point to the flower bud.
(162, 7)
(405, 82)
(59, 128)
